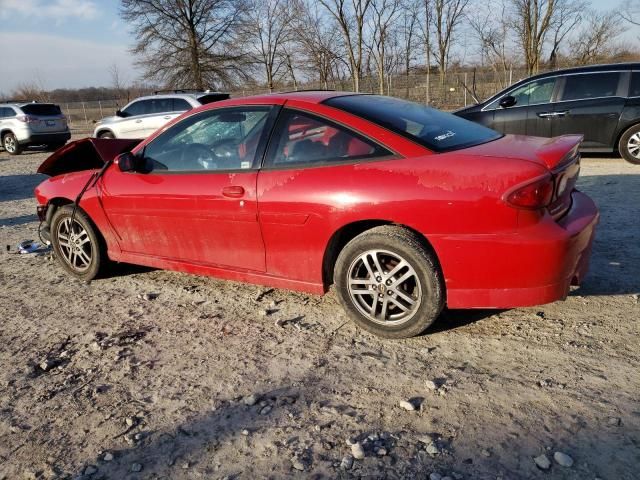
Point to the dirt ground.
(97, 381)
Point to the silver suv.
(144, 115)
(27, 124)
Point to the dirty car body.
(276, 202)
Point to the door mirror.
(127, 162)
(508, 101)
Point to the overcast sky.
(62, 43)
(72, 43)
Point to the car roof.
(605, 67)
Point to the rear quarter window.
(41, 109)
(435, 130)
(591, 85)
(634, 87)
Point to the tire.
(106, 135)
(86, 261)
(361, 293)
(629, 145)
(10, 144)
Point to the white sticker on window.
(245, 164)
(444, 136)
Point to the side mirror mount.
(120, 114)
(508, 101)
(127, 162)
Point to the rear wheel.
(106, 135)
(10, 144)
(629, 145)
(389, 282)
(77, 244)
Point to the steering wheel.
(197, 156)
(226, 155)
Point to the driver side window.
(213, 140)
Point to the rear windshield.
(45, 109)
(436, 130)
(213, 97)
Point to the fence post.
(69, 121)
(100, 106)
(84, 110)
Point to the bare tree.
(267, 29)
(425, 28)
(318, 43)
(630, 11)
(492, 33)
(411, 17)
(351, 20)
(567, 15)
(532, 20)
(187, 43)
(446, 18)
(118, 82)
(595, 40)
(383, 15)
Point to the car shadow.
(21, 220)
(615, 259)
(19, 187)
(264, 443)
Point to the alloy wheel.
(633, 145)
(75, 244)
(384, 287)
(10, 143)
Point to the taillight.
(531, 195)
(27, 119)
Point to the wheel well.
(2, 132)
(348, 232)
(104, 130)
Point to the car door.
(195, 201)
(527, 116)
(164, 110)
(308, 169)
(591, 104)
(131, 125)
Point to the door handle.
(139, 121)
(167, 117)
(552, 114)
(234, 191)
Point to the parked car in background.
(405, 208)
(601, 102)
(144, 115)
(32, 124)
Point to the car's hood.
(85, 154)
(548, 152)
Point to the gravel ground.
(197, 380)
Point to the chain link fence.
(454, 91)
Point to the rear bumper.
(533, 266)
(45, 138)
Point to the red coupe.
(405, 208)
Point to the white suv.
(144, 115)
(27, 124)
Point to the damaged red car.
(404, 208)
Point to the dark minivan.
(601, 102)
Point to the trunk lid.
(85, 154)
(44, 117)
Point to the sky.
(62, 43)
(73, 43)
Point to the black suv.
(601, 102)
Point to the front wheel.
(106, 135)
(76, 243)
(389, 283)
(10, 144)
(629, 145)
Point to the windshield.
(436, 130)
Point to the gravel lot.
(97, 381)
